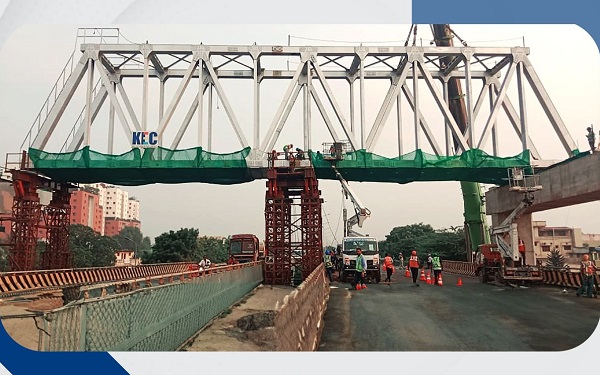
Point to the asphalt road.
(472, 317)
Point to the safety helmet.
(414, 252)
(586, 257)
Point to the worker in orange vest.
(588, 271)
(522, 250)
(413, 263)
(388, 264)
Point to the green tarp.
(161, 165)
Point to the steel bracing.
(117, 76)
(57, 215)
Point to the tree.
(215, 249)
(180, 246)
(555, 259)
(89, 248)
(447, 243)
(131, 238)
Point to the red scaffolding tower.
(26, 219)
(293, 223)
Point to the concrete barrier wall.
(299, 321)
(552, 276)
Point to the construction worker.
(361, 269)
(429, 263)
(437, 268)
(328, 264)
(287, 149)
(588, 272)
(413, 263)
(299, 153)
(401, 259)
(388, 264)
(204, 264)
(591, 137)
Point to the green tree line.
(448, 244)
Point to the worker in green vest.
(437, 268)
(328, 265)
(360, 270)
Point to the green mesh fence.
(144, 166)
(151, 319)
(161, 165)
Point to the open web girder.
(115, 80)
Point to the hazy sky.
(565, 57)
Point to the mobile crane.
(352, 239)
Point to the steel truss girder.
(212, 64)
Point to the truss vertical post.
(58, 212)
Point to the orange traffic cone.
(422, 274)
(429, 282)
(358, 287)
(364, 286)
(440, 282)
(407, 272)
(459, 283)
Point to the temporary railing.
(23, 282)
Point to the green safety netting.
(144, 166)
(161, 165)
(473, 165)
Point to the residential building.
(116, 203)
(133, 209)
(571, 242)
(114, 225)
(85, 208)
(126, 258)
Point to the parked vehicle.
(245, 248)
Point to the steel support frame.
(318, 65)
(57, 215)
(26, 215)
(293, 222)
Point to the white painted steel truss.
(203, 68)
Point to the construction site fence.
(20, 282)
(559, 276)
(299, 320)
(158, 318)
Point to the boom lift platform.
(503, 260)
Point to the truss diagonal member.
(158, 67)
(497, 104)
(128, 106)
(386, 107)
(226, 105)
(430, 137)
(548, 106)
(513, 117)
(439, 100)
(336, 107)
(176, 98)
(43, 135)
(187, 120)
(286, 98)
(284, 117)
(113, 99)
(96, 105)
(321, 108)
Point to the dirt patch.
(247, 327)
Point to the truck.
(504, 261)
(370, 251)
(353, 239)
(245, 248)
